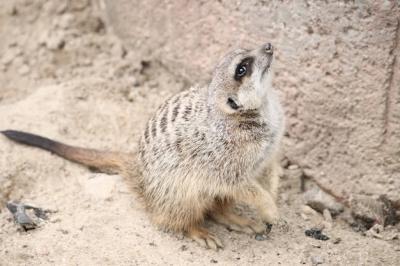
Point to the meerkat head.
(241, 80)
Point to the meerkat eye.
(240, 71)
(244, 68)
(231, 102)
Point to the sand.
(64, 74)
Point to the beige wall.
(335, 65)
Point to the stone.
(305, 217)
(308, 210)
(118, 50)
(53, 40)
(316, 260)
(337, 240)
(368, 211)
(327, 216)
(319, 200)
(260, 237)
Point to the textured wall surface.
(336, 67)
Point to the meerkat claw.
(234, 222)
(205, 239)
(268, 228)
(238, 228)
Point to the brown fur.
(204, 150)
(110, 162)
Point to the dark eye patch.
(244, 68)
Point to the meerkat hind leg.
(204, 238)
(224, 214)
(238, 223)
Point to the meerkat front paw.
(270, 215)
(251, 228)
(269, 210)
(279, 224)
(204, 238)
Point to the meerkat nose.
(268, 48)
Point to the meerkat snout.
(268, 48)
(241, 80)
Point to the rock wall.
(336, 67)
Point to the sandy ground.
(64, 75)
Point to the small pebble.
(308, 210)
(55, 220)
(65, 21)
(153, 84)
(133, 95)
(64, 232)
(260, 237)
(337, 240)
(55, 41)
(305, 217)
(316, 233)
(118, 50)
(136, 83)
(316, 260)
(375, 231)
(285, 163)
(319, 200)
(293, 167)
(327, 215)
(316, 245)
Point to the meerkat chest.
(271, 142)
(261, 137)
(181, 141)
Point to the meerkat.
(204, 150)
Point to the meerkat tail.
(104, 161)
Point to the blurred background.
(335, 67)
(91, 72)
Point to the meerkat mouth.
(266, 68)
